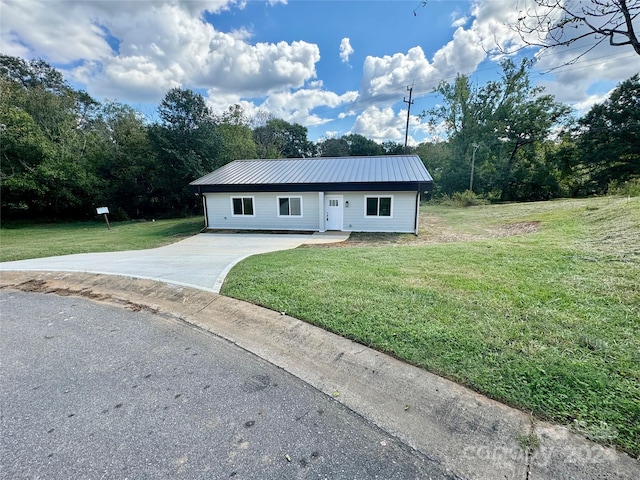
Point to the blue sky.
(336, 67)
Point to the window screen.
(242, 205)
(384, 207)
(378, 206)
(290, 206)
(372, 206)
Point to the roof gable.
(405, 172)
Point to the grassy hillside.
(536, 305)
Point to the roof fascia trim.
(316, 187)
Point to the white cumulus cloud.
(135, 51)
(384, 77)
(483, 34)
(383, 124)
(459, 21)
(297, 106)
(345, 49)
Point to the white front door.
(333, 212)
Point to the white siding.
(265, 205)
(402, 219)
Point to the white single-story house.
(355, 194)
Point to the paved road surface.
(95, 391)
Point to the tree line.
(524, 145)
(62, 153)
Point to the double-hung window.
(378, 206)
(289, 206)
(242, 206)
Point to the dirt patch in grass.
(518, 228)
(434, 230)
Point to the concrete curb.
(471, 435)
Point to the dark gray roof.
(350, 172)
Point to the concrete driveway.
(201, 261)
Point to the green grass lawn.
(536, 305)
(25, 240)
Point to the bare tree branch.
(554, 23)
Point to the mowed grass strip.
(20, 241)
(547, 321)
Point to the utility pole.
(473, 164)
(409, 103)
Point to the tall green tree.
(333, 147)
(504, 122)
(30, 74)
(186, 145)
(123, 161)
(237, 137)
(23, 149)
(44, 141)
(462, 116)
(360, 145)
(394, 148)
(278, 138)
(436, 156)
(609, 140)
(522, 117)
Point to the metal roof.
(355, 172)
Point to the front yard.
(536, 305)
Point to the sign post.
(104, 211)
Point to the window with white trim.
(242, 206)
(289, 206)
(378, 206)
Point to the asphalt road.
(95, 391)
